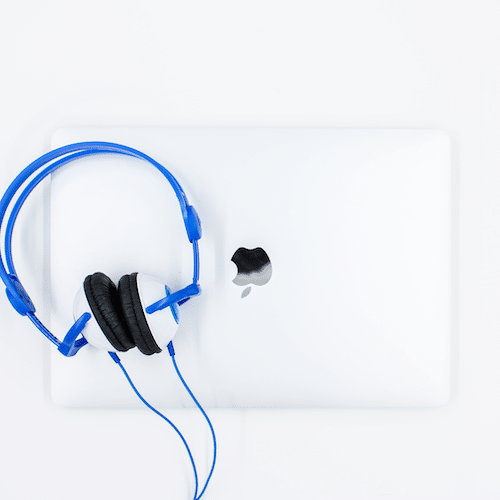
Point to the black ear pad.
(103, 299)
(134, 316)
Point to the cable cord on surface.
(172, 354)
(117, 360)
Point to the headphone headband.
(16, 293)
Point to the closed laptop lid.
(325, 264)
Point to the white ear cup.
(92, 331)
(163, 324)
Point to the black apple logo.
(254, 268)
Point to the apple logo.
(254, 268)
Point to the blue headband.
(16, 293)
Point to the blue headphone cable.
(171, 351)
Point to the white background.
(425, 63)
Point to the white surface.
(357, 226)
(431, 64)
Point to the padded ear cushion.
(134, 316)
(103, 299)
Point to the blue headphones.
(139, 312)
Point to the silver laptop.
(348, 232)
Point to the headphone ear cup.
(150, 332)
(107, 328)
